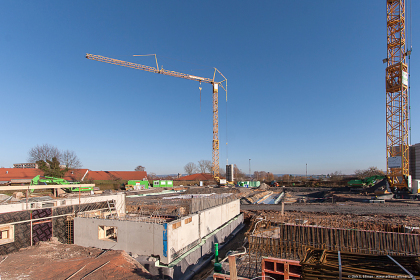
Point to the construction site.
(211, 232)
(86, 224)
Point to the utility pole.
(306, 171)
(249, 167)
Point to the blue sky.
(306, 83)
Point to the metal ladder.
(112, 207)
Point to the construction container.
(163, 184)
(137, 185)
(249, 184)
(254, 184)
(244, 184)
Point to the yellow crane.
(397, 126)
(215, 84)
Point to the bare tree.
(262, 175)
(190, 168)
(47, 152)
(70, 160)
(336, 176)
(371, 171)
(238, 174)
(140, 168)
(44, 152)
(204, 166)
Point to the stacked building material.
(326, 264)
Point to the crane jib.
(147, 68)
(215, 165)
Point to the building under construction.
(176, 230)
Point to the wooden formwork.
(280, 269)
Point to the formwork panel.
(280, 269)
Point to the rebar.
(290, 241)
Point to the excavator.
(47, 180)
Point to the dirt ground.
(409, 208)
(328, 200)
(53, 260)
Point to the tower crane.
(212, 81)
(397, 128)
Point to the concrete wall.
(147, 239)
(183, 268)
(119, 198)
(136, 237)
(202, 224)
(182, 236)
(215, 217)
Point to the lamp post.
(249, 167)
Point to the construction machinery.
(212, 81)
(366, 182)
(137, 185)
(397, 128)
(47, 180)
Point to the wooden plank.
(232, 268)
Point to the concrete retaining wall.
(217, 216)
(191, 261)
(180, 234)
(136, 237)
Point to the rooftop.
(197, 177)
(8, 174)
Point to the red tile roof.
(7, 174)
(76, 175)
(111, 175)
(197, 177)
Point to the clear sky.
(306, 83)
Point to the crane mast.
(397, 147)
(216, 84)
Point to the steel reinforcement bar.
(291, 241)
